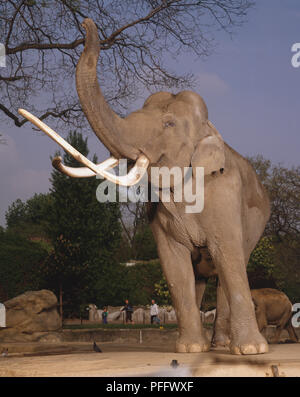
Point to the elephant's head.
(170, 130)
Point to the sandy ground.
(79, 360)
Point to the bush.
(20, 260)
(135, 283)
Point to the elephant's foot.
(249, 343)
(220, 339)
(192, 345)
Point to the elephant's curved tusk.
(82, 172)
(133, 177)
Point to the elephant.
(273, 307)
(173, 130)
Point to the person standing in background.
(104, 315)
(154, 312)
(128, 310)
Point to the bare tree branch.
(44, 39)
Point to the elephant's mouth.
(135, 174)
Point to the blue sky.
(251, 89)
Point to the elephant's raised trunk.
(112, 130)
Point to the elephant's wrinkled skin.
(174, 130)
(273, 307)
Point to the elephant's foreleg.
(221, 334)
(228, 257)
(178, 270)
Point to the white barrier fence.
(2, 316)
(140, 315)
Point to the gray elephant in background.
(273, 307)
(174, 131)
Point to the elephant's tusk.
(133, 177)
(83, 172)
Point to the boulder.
(30, 314)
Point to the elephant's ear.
(209, 152)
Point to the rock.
(30, 314)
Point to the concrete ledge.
(145, 335)
(44, 348)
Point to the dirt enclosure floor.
(72, 359)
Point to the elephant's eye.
(169, 124)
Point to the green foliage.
(30, 219)
(287, 269)
(20, 263)
(145, 246)
(136, 283)
(137, 239)
(209, 299)
(141, 279)
(76, 213)
(162, 292)
(262, 257)
(278, 266)
(124, 252)
(261, 268)
(283, 186)
(16, 214)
